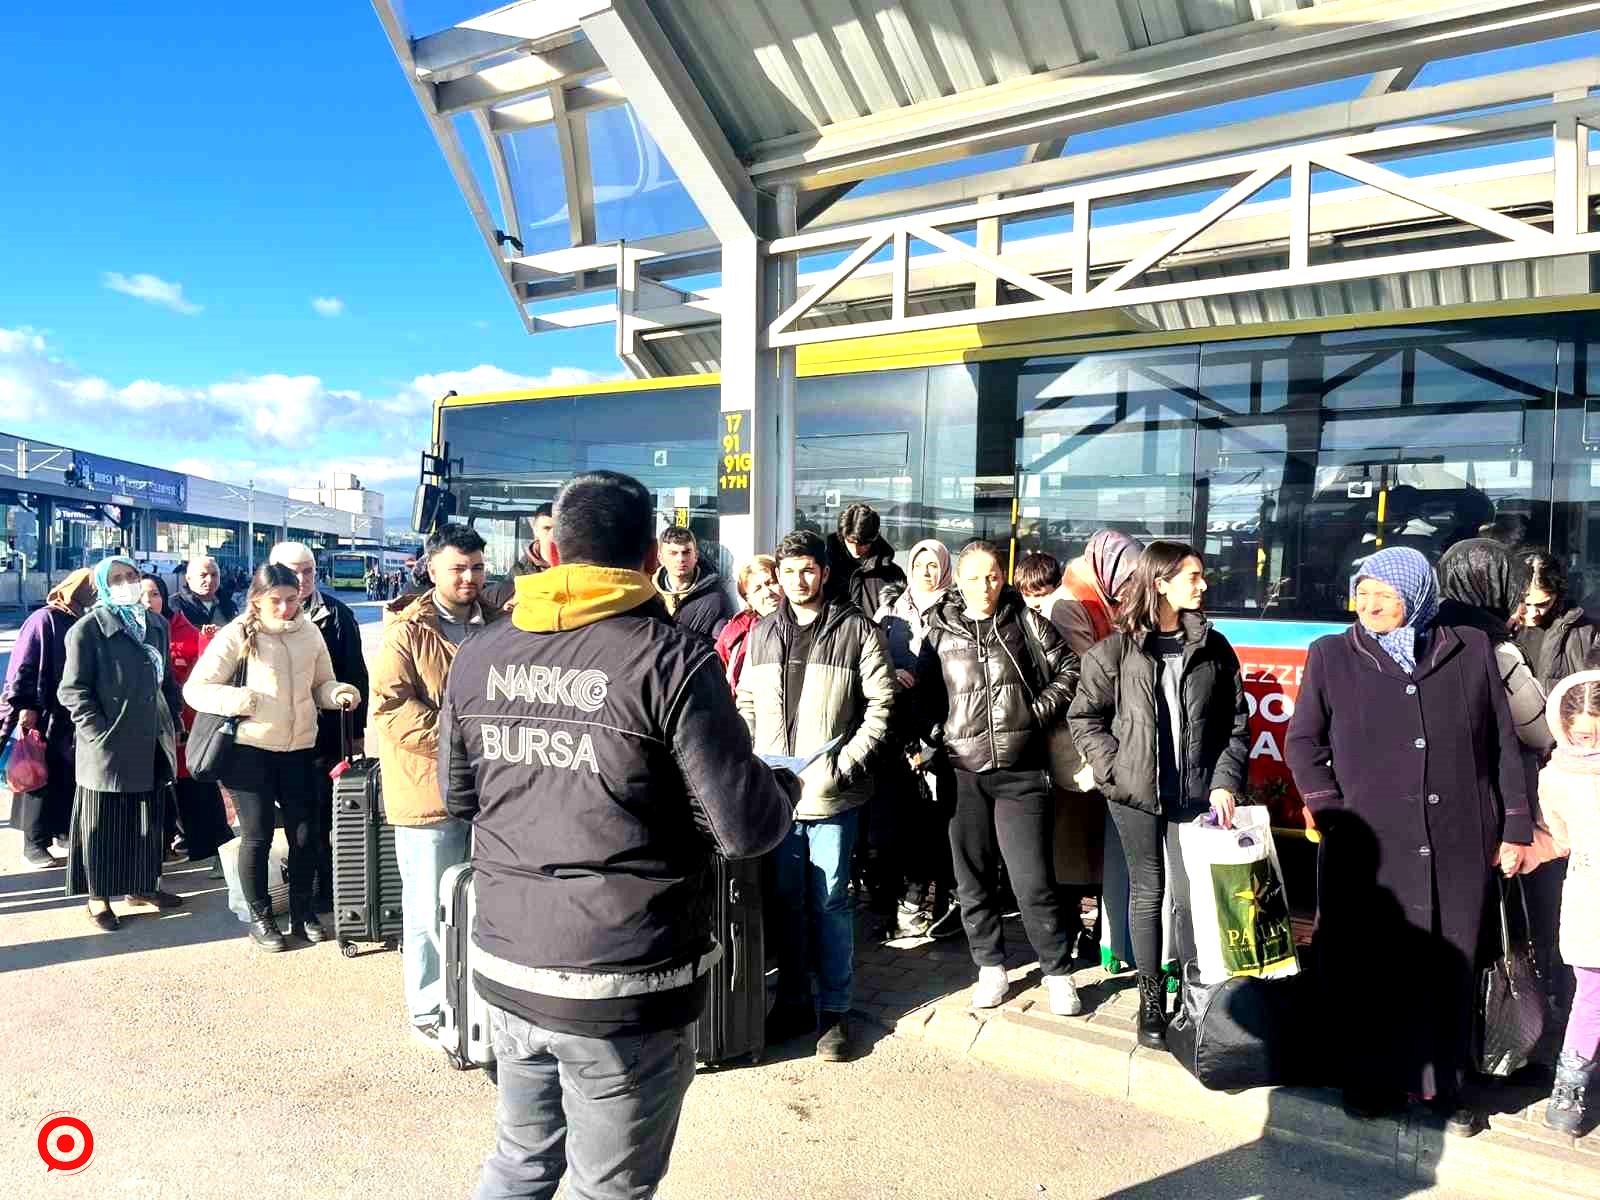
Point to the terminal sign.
(736, 462)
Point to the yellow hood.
(570, 597)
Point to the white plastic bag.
(277, 876)
(1237, 903)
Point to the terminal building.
(63, 508)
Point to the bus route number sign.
(733, 480)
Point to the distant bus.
(347, 569)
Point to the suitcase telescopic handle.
(347, 740)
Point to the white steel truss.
(1357, 158)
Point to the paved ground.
(208, 1070)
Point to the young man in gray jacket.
(594, 747)
(816, 671)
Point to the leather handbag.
(1510, 1011)
(211, 739)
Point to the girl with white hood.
(1569, 799)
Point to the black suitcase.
(735, 1017)
(366, 875)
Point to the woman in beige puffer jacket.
(288, 676)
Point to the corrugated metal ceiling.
(771, 68)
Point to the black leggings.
(262, 781)
(1143, 836)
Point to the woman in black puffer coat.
(1160, 716)
(993, 677)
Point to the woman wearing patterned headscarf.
(1403, 747)
(1085, 605)
(118, 687)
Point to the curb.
(1515, 1158)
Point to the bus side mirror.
(432, 507)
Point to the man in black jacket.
(861, 566)
(595, 748)
(200, 599)
(692, 591)
(342, 632)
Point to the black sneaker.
(834, 1045)
(789, 1020)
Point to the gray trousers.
(603, 1111)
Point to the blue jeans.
(814, 923)
(602, 1110)
(423, 852)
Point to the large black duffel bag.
(1246, 1032)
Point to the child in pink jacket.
(1569, 796)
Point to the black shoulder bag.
(211, 739)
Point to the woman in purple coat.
(1403, 747)
(28, 701)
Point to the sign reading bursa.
(165, 489)
(735, 463)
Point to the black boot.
(1565, 1112)
(305, 923)
(264, 931)
(1152, 1012)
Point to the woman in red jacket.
(757, 582)
(202, 824)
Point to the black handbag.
(1510, 1011)
(211, 738)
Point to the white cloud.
(291, 423)
(152, 288)
(328, 306)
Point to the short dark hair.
(546, 509)
(803, 543)
(454, 537)
(605, 519)
(1037, 573)
(677, 535)
(859, 522)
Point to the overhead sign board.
(131, 482)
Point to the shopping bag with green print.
(1239, 910)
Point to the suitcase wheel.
(456, 1061)
(349, 949)
(391, 944)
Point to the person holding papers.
(816, 671)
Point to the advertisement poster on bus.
(1272, 657)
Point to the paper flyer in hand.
(796, 764)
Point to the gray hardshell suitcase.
(366, 874)
(734, 1022)
(464, 1014)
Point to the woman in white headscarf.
(118, 686)
(928, 906)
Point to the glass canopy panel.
(636, 192)
(422, 17)
(533, 164)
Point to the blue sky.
(257, 164)
(232, 245)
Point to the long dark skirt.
(116, 842)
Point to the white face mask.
(127, 593)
